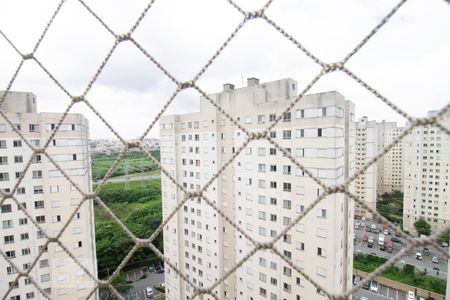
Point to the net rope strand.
(138, 243)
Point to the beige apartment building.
(262, 191)
(366, 150)
(49, 199)
(390, 165)
(427, 159)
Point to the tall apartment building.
(390, 165)
(262, 191)
(49, 199)
(366, 150)
(427, 159)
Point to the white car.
(149, 292)
(419, 256)
(411, 296)
(374, 286)
(435, 260)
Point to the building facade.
(366, 150)
(49, 198)
(427, 159)
(390, 165)
(262, 191)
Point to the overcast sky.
(407, 60)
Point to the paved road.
(123, 179)
(139, 285)
(425, 263)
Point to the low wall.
(401, 286)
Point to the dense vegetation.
(140, 210)
(137, 162)
(390, 206)
(407, 275)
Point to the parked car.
(363, 224)
(410, 296)
(374, 287)
(366, 285)
(149, 292)
(159, 269)
(383, 247)
(444, 244)
(426, 251)
(435, 260)
(396, 240)
(151, 269)
(365, 238)
(370, 242)
(356, 280)
(418, 256)
(356, 226)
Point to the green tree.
(422, 227)
(119, 283)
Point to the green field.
(137, 162)
(139, 209)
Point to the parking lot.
(438, 269)
(140, 279)
(383, 293)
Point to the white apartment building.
(366, 150)
(49, 199)
(427, 159)
(390, 165)
(262, 191)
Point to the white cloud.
(407, 60)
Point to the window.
(273, 151)
(261, 119)
(286, 134)
(6, 208)
(10, 254)
(272, 117)
(56, 219)
(45, 277)
(39, 189)
(43, 263)
(9, 239)
(300, 246)
(287, 204)
(17, 143)
(273, 201)
(40, 219)
(273, 184)
(38, 204)
(261, 151)
(2, 127)
(33, 127)
(287, 117)
(37, 159)
(26, 251)
(321, 213)
(3, 160)
(7, 224)
(54, 188)
(4, 176)
(273, 134)
(286, 187)
(37, 174)
(37, 143)
(286, 170)
(23, 221)
(24, 236)
(321, 252)
(2, 144)
(18, 159)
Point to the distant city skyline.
(406, 61)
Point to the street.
(425, 263)
(139, 285)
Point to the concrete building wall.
(261, 191)
(50, 200)
(389, 166)
(427, 159)
(366, 150)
